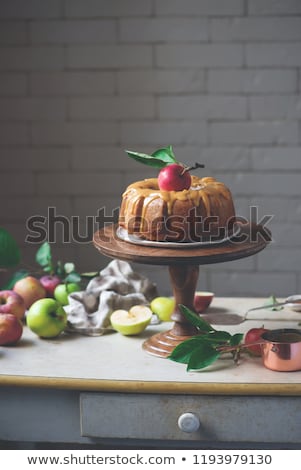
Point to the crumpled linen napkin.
(116, 287)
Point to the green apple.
(62, 291)
(46, 318)
(133, 321)
(163, 307)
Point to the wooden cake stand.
(183, 266)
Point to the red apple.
(30, 289)
(253, 335)
(11, 329)
(49, 282)
(174, 177)
(11, 302)
(202, 300)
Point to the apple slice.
(202, 300)
(131, 322)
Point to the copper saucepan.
(281, 349)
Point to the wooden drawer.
(221, 418)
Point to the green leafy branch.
(10, 257)
(202, 350)
(65, 271)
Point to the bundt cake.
(204, 212)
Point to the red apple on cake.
(174, 177)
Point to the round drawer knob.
(189, 422)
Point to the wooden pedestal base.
(162, 344)
(183, 280)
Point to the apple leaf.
(165, 154)
(159, 159)
(43, 255)
(69, 267)
(182, 352)
(72, 277)
(202, 356)
(202, 350)
(9, 250)
(60, 269)
(195, 319)
(216, 337)
(236, 339)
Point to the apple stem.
(194, 167)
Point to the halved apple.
(202, 300)
(133, 321)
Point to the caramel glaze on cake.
(203, 212)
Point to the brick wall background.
(81, 80)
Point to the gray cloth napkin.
(116, 287)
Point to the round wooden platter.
(248, 242)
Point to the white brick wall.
(252, 81)
(80, 81)
(200, 55)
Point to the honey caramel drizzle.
(148, 189)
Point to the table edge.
(133, 386)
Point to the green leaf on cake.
(165, 154)
(159, 159)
